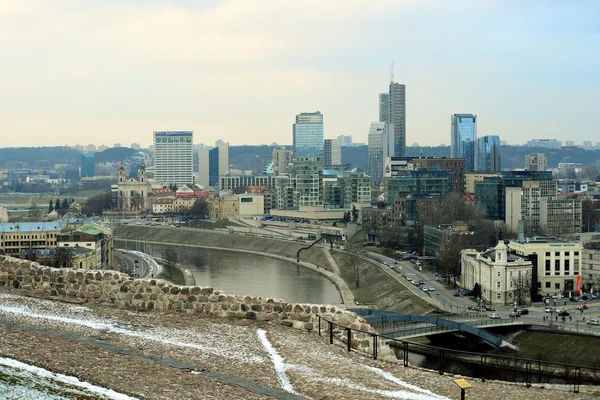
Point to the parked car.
(564, 313)
(489, 308)
(585, 298)
(514, 314)
(524, 311)
(594, 322)
(582, 307)
(430, 288)
(495, 316)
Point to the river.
(253, 275)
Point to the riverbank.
(374, 287)
(346, 294)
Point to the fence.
(481, 365)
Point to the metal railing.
(482, 365)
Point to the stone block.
(308, 326)
(185, 290)
(256, 307)
(207, 291)
(287, 323)
(251, 315)
(195, 291)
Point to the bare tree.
(136, 201)
(171, 258)
(449, 257)
(356, 251)
(63, 258)
(521, 285)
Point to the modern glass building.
(463, 136)
(88, 165)
(491, 191)
(308, 134)
(384, 107)
(419, 182)
(174, 158)
(487, 154)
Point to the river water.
(254, 275)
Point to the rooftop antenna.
(392, 73)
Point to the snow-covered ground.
(23, 381)
(265, 354)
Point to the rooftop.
(32, 226)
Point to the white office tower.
(173, 158)
(202, 166)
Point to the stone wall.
(119, 289)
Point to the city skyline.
(101, 72)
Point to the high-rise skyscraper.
(308, 134)
(332, 152)
(393, 104)
(174, 158)
(463, 136)
(381, 145)
(487, 154)
(218, 163)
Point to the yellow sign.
(463, 384)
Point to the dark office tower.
(463, 136)
(88, 165)
(397, 116)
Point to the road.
(126, 262)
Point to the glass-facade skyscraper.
(308, 134)
(381, 145)
(487, 154)
(463, 136)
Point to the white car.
(495, 316)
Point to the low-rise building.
(504, 278)
(435, 237)
(590, 268)
(556, 264)
(93, 240)
(19, 237)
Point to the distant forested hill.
(115, 154)
(37, 157)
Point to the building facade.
(16, 238)
(282, 158)
(174, 158)
(456, 166)
(133, 193)
(504, 278)
(487, 154)
(332, 152)
(545, 143)
(491, 191)
(556, 264)
(88, 165)
(472, 177)
(308, 134)
(218, 163)
(381, 146)
(419, 182)
(397, 117)
(463, 136)
(590, 269)
(536, 162)
(231, 182)
(436, 237)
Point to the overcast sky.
(112, 71)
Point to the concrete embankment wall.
(110, 287)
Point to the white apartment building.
(173, 158)
(332, 152)
(557, 264)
